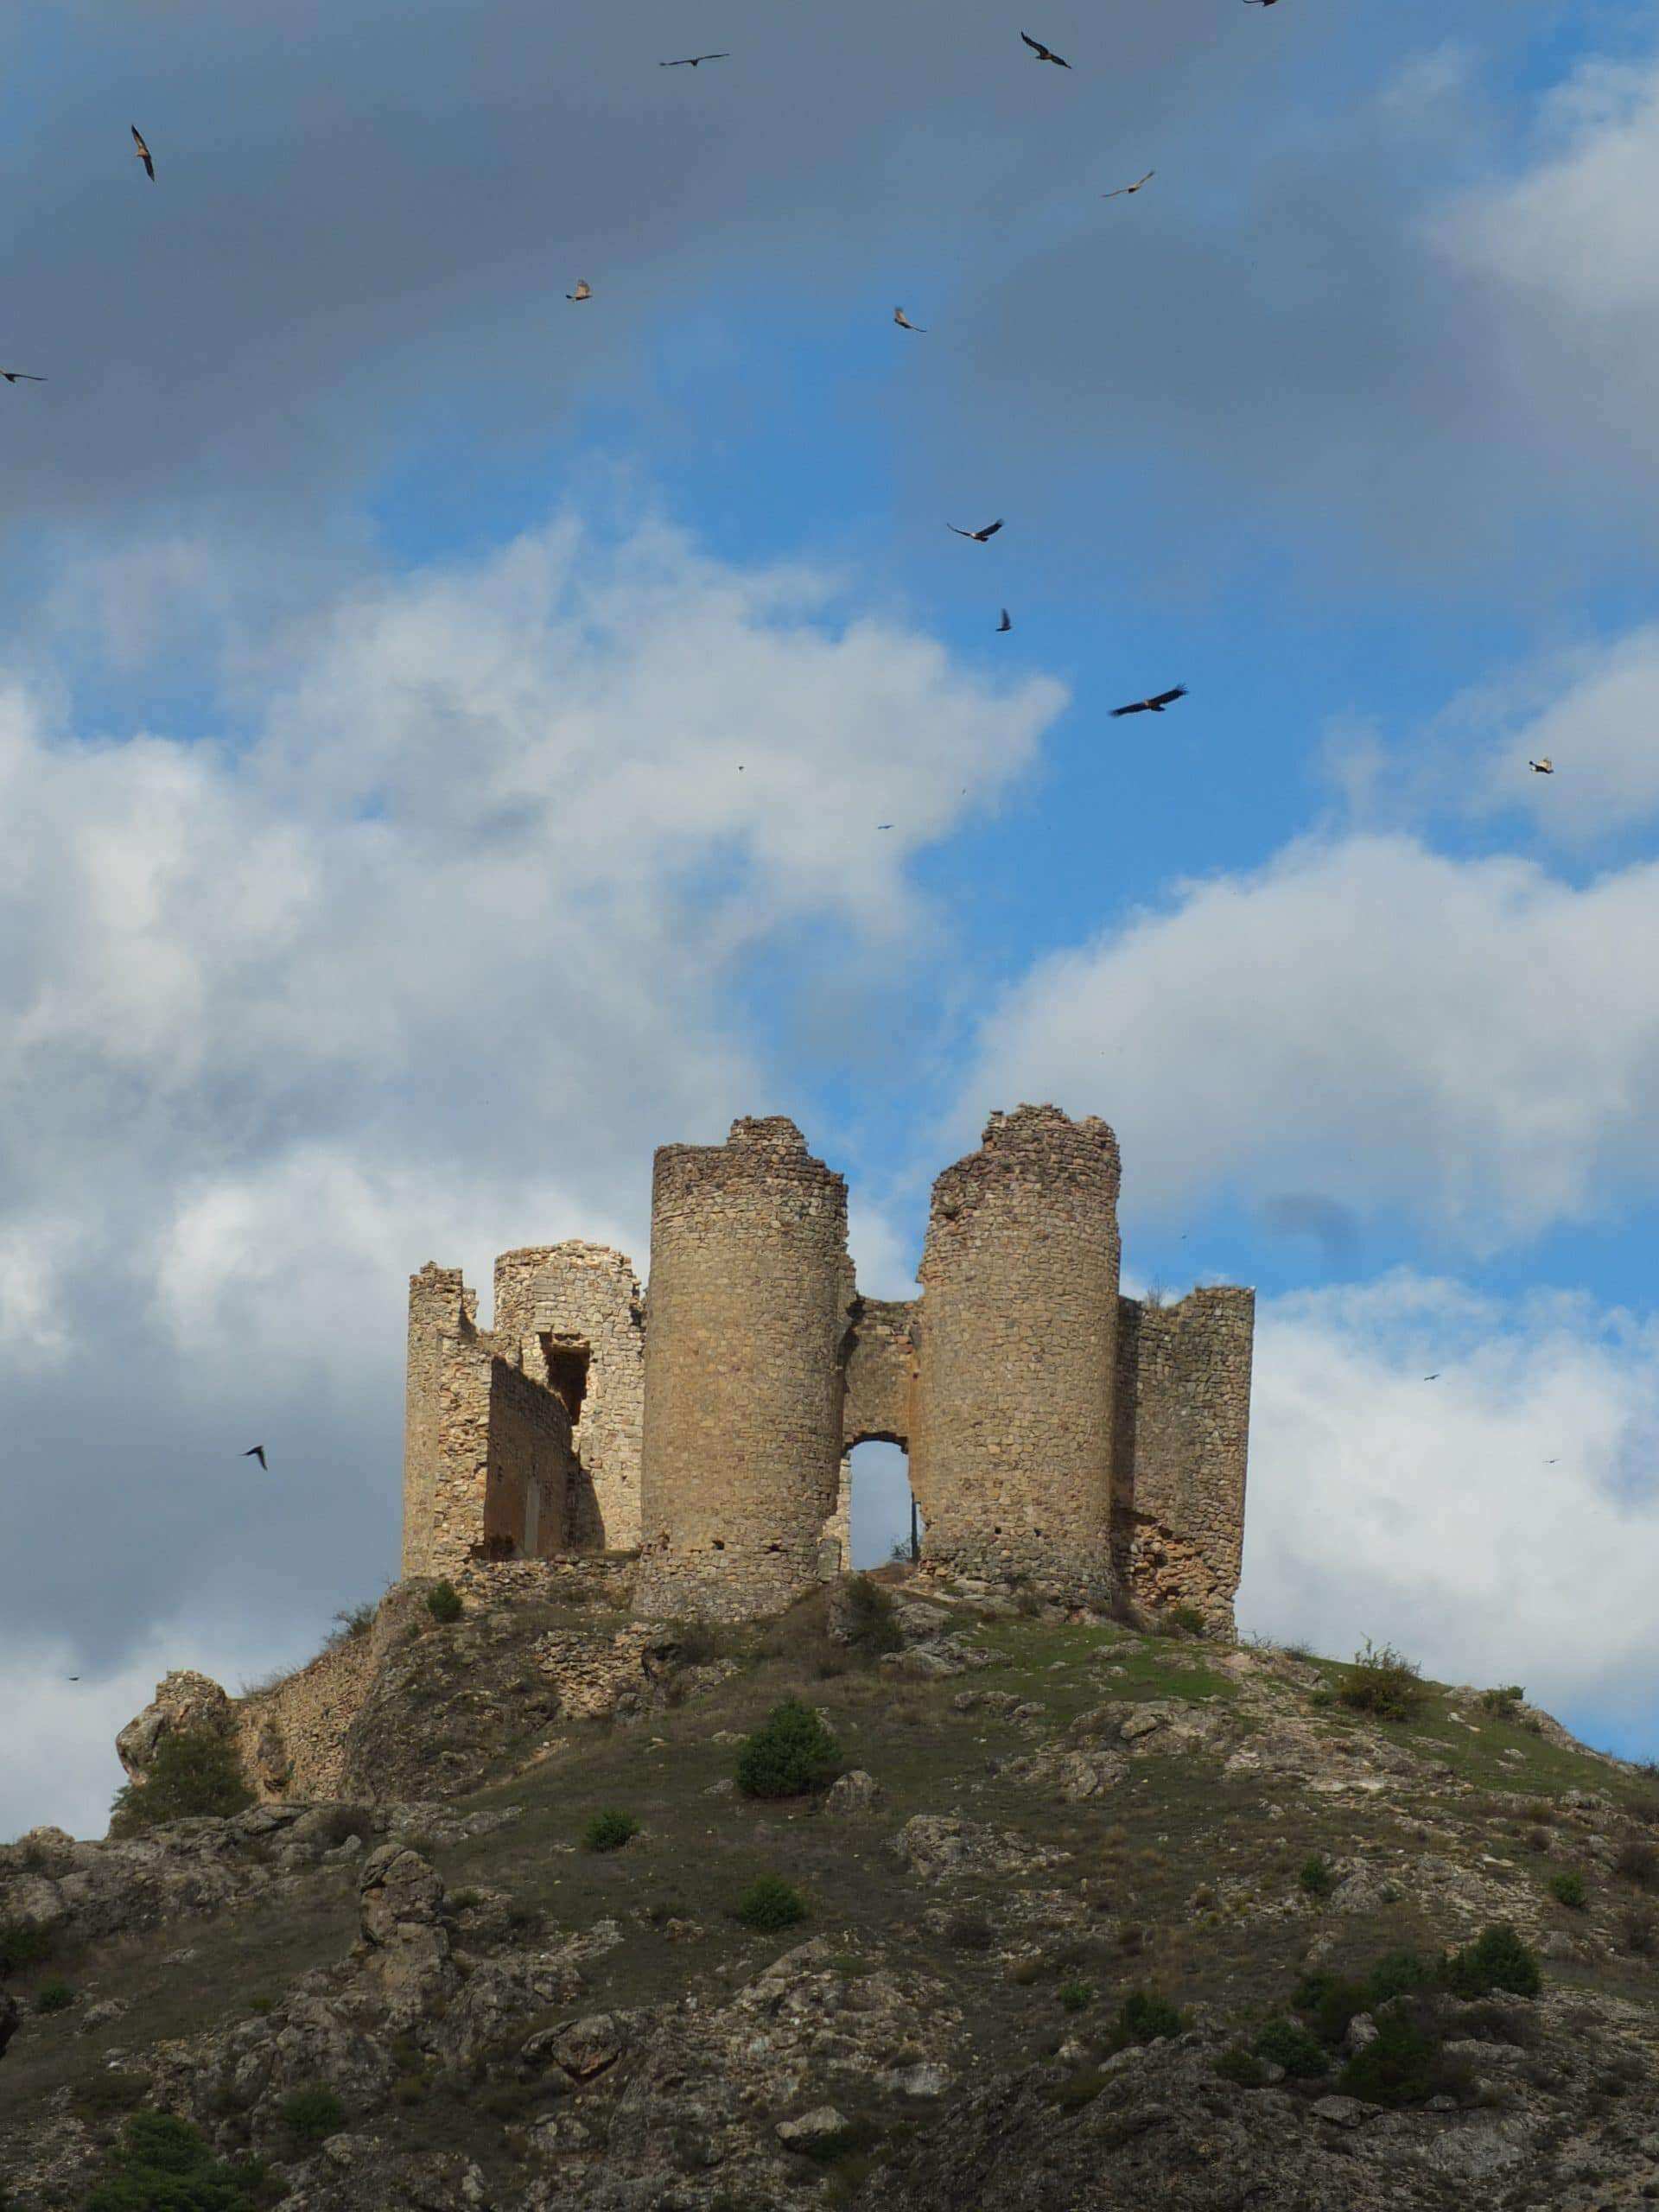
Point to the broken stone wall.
(1181, 1447)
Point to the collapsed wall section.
(742, 1432)
(1183, 1426)
(571, 1317)
(1011, 1457)
(487, 1458)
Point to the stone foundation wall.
(1181, 1445)
(292, 1736)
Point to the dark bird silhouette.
(256, 1451)
(584, 291)
(1135, 187)
(1004, 624)
(20, 376)
(884, 825)
(1435, 1377)
(141, 152)
(692, 59)
(75, 1678)
(1042, 52)
(905, 323)
(1155, 705)
(1259, 3)
(1544, 767)
(979, 537)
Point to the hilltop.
(1091, 1918)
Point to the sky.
(446, 731)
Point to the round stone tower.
(744, 1313)
(1012, 1457)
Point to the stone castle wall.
(746, 1313)
(1181, 1447)
(1058, 1434)
(571, 1317)
(1011, 1459)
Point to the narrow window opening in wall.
(884, 1523)
(720, 1543)
(566, 1374)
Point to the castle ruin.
(1061, 1436)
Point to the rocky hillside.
(1088, 1918)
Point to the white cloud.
(1471, 1046)
(1426, 1515)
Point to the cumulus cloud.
(1427, 1515)
(420, 965)
(1471, 1045)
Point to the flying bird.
(884, 825)
(905, 323)
(141, 153)
(692, 59)
(256, 1451)
(20, 376)
(1544, 767)
(75, 1678)
(584, 291)
(1258, 3)
(1155, 705)
(1004, 624)
(979, 537)
(1042, 52)
(1435, 1377)
(1135, 187)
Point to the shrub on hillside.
(793, 1753)
(23, 1944)
(193, 1772)
(309, 2115)
(1568, 1889)
(1502, 1702)
(1076, 1996)
(1384, 1683)
(1497, 1959)
(164, 2164)
(1317, 1876)
(1395, 1974)
(1638, 1862)
(609, 1831)
(1144, 2016)
(1289, 2043)
(1638, 1933)
(1183, 1620)
(54, 1997)
(1402, 2064)
(870, 1619)
(353, 1621)
(770, 1903)
(1328, 2002)
(444, 1601)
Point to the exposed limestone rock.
(408, 1946)
(938, 1845)
(183, 1700)
(855, 1792)
(813, 2129)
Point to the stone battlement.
(1059, 1435)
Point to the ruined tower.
(1011, 1458)
(742, 1448)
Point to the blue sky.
(384, 635)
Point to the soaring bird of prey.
(692, 59)
(584, 291)
(1042, 52)
(904, 322)
(1004, 624)
(1259, 3)
(1155, 705)
(1544, 767)
(1135, 187)
(979, 537)
(20, 376)
(884, 825)
(257, 1451)
(141, 152)
(1435, 1377)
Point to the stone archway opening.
(882, 1517)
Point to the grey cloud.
(1331, 1226)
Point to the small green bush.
(1568, 1889)
(1497, 1959)
(1076, 1996)
(770, 1903)
(1079, 2089)
(871, 1618)
(1318, 1877)
(24, 1943)
(1638, 1933)
(793, 1753)
(1384, 1683)
(1236, 2065)
(1328, 2002)
(1399, 2066)
(193, 1772)
(609, 1831)
(1289, 2043)
(1185, 1620)
(54, 1997)
(164, 2164)
(1638, 1862)
(1396, 1973)
(1144, 2016)
(969, 1931)
(353, 1621)
(1502, 1702)
(311, 2114)
(444, 1601)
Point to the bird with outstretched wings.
(1155, 705)
(1544, 767)
(692, 61)
(1004, 624)
(141, 152)
(979, 537)
(1135, 187)
(257, 1451)
(584, 291)
(20, 376)
(1042, 53)
(905, 323)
